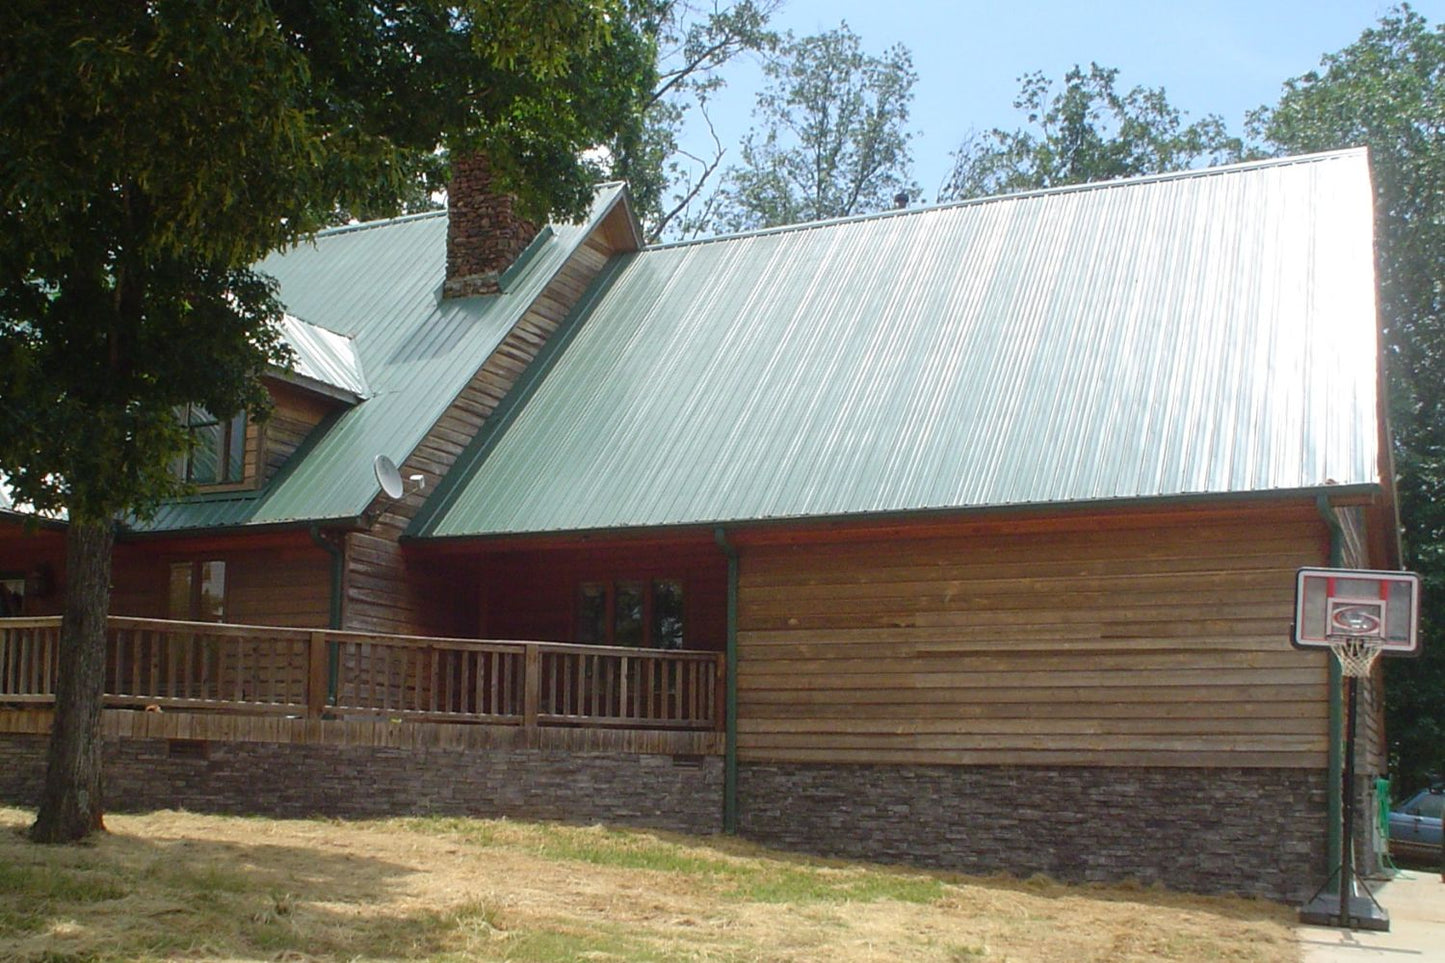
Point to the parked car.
(1415, 824)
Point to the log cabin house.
(961, 535)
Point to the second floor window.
(217, 453)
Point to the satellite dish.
(388, 477)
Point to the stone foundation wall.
(298, 780)
(1256, 832)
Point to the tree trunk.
(70, 808)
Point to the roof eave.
(1338, 494)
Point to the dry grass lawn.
(181, 886)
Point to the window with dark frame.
(12, 596)
(198, 591)
(638, 613)
(216, 452)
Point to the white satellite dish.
(388, 476)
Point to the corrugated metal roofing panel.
(379, 285)
(325, 357)
(1205, 333)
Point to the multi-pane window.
(198, 591)
(643, 613)
(216, 454)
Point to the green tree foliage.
(694, 43)
(1387, 91)
(151, 152)
(1086, 131)
(833, 139)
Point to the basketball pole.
(1347, 797)
(1344, 909)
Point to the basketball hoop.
(1356, 656)
(1357, 615)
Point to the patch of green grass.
(794, 885)
(748, 879)
(595, 944)
(203, 880)
(53, 885)
(13, 924)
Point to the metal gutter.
(730, 751)
(350, 524)
(1335, 773)
(1082, 506)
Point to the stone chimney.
(484, 234)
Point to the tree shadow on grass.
(156, 886)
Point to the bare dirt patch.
(184, 886)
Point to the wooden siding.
(218, 727)
(295, 413)
(23, 552)
(1143, 640)
(385, 592)
(533, 594)
(275, 580)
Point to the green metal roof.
(325, 361)
(378, 285)
(1200, 334)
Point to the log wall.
(1143, 640)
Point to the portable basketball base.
(1358, 616)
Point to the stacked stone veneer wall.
(484, 233)
(297, 780)
(1258, 832)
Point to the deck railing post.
(318, 674)
(532, 687)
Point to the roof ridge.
(379, 222)
(1112, 184)
(423, 215)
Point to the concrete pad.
(1415, 900)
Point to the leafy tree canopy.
(1085, 131)
(1387, 91)
(150, 152)
(833, 138)
(694, 44)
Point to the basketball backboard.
(1333, 605)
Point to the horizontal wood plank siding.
(1133, 642)
(286, 582)
(294, 413)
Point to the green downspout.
(338, 574)
(1337, 717)
(730, 751)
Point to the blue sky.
(1211, 57)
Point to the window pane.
(206, 455)
(179, 604)
(667, 614)
(12, 597)
(1431, 805)
(236, 456)
(592, 613)
(627, 620)
(213, 592)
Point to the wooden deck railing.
(260, 669)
